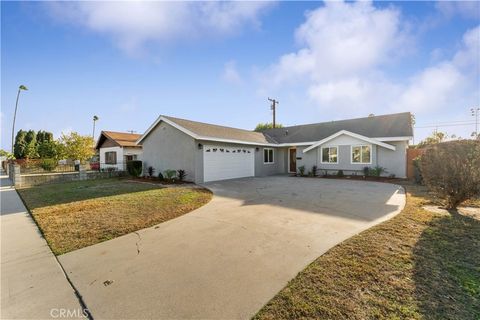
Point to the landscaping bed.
(77, 214)
(418, 265)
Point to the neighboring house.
(210, 152)
(116, 148)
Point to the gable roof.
(381, 128)
(212, 132)
(121, 139)
(353, 135)
(384, 126)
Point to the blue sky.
(218, 62)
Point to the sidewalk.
(33, 285)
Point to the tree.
(44, 136)
(265, 126)
(76, 147)
(46, 146)
(31, 145)
(452, 170)
(4, 153)
(434, 138)
(20, 145)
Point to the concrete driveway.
(230, 257)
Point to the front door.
(292, 155)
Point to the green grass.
(418, 265)
(78, 214)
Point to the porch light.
(200, 146)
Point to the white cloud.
(344, 51)
(133, 24)
(230, 73)
(466, 9)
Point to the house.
(209, 152)
(116, 148)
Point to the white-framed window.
(111, 157)
(362, 154)
(268, 155)
(330, 155)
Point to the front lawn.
(418, 265)
(78, 214)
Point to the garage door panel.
(222, 163)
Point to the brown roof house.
(209, 152)
(116, 148)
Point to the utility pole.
(475, 112)
(20, 88)
(273, 107)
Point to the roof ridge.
(211, 124)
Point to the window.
(111, 157)
(330, 155)
(361, 154)
(131, 157)
(267, 155)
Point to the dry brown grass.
(418, 265)
(78, 214)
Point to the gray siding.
(394, 161)
(168, 148)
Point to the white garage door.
(220, 163)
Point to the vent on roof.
(286, 132)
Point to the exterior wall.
(28, 180)
(279, 164)
(169, 148)
(128, 151)
(120, 163)
(395, 162)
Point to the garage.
(221, 162)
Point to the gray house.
(209, 152)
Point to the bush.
(160, 176)
(151, 171)
(301, 170)
(452, 170)
(181, 174)
(340, 173)
(134, 167)
(48, 164)
(366, 171)
(170, 174)
(314, 171)
(377, 171)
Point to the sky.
(218, 62)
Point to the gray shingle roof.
(390, 125)
(221, 132)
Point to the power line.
(446, 125)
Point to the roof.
(207, 131)
(383, 126)
(395, 126)
(122, 139)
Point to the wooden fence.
(411, 155)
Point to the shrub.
(416, 170)
(151, 171)
(340, 173)
(170, 174)
(181, 174)
(314, 171)
(452, 170)
(377, 171)
(301, 170)
(366, 171)
(160, 176)
(134, 167)
(48, 164)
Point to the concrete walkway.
(33, 285)
(228, 258)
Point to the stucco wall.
(169, 148)
(278, 165)
(394, 161)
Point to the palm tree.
(95, 119)
(20, 88)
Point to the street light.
(95, 119)
(475, 112)
(20, 88)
